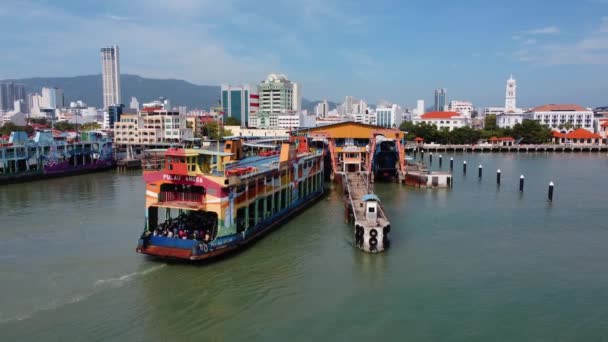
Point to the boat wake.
(98, 286)
(120, 281)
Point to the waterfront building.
(9, 93)
(389, 116)
(579, 136)
(508, 120)
(440, 99)
(153, 124)
(555, 116)
(110, 75)
(465, 108)
(322, 108)
(239, 102)
(449, 120)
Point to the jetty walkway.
(513, 148)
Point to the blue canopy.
(370, 197)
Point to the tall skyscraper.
(9, 93)
(440, 94)
(510, 95)
(419, 107)
(110, 75)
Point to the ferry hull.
(194, 251)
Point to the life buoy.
(373, 233)
(373, 241)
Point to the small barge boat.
(201, 204)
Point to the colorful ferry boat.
(46, 156)
(201, 204)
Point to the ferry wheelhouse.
(202, 203)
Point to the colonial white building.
(509, 115)
(449, 120)
(555, 116)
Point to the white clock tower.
(510, 104)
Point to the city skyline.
(471, 54)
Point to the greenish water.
(473, 263)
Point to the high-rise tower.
(440, 101)
(110, 75)
(510, 95)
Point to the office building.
(440, 99)
(419, 107)
(276, 94)
(134, 104)
(52, 98)
(239, 102)
(9, 93)
(389, 116)
(110, 75)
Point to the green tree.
(64, 126)
(211, 131)
(90, 126)
(532, 132)
(568, 125)
(490, 122)
(40, 121)
(230, 121)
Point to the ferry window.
(372, 209)
(169, 160)
(192, 168)
(170, 166)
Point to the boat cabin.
(372, 204)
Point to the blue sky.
(398, 51)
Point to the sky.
(398, 51)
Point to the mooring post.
(440, 160)
(498, 177)
(431, 158)
(521, 183)
(480, 171)
(422, 155)
(551, 191)
(451, 163)
(464, 167)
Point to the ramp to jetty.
(371, 225)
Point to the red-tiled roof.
(604, 124)
(439, 115)
(557, 134)
(419, 139)
(558, 108)
(582, 133)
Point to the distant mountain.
(310, 105)
(181, 93)
(88, 89)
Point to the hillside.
(181, 93)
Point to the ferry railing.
(174, 196)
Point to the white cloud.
(529, 42)
(592, 49)
(545, 30)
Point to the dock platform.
(371, 224)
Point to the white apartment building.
(389, 116)
(152, 125)
(322, 108)
(365, 118)
(555, 116)
(465, 108)
(449, 120)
